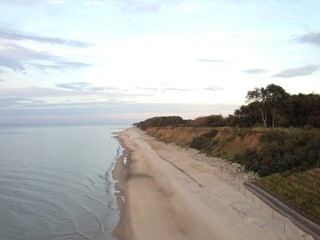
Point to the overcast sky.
(121, 61)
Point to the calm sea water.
(56, 182)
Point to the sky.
(122, 61)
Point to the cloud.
(136, 6)
(62, 65)
(79, 86)
(97, 3)
(30, 2)
(16, 58)
(211, 60)
(139, 6)
(256, 71)
(162, 89)
(118, 112)
(9, 102)
(312, 38)
(56, 1)
(61, 92)
(19, 36)
(177, 89)
(296, 72)
(214, 88)
(81, 102)
(34, 92)
(24, 2)
(125, 6)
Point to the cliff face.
(181, 136)
(224, 142)
(264, 151)
(235, 142)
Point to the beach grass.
(300, 190)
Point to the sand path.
(169, 195)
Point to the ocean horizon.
(56, 182)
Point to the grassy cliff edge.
(287, 159)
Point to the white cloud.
(56, 1)
(7, 34)
(96, 3)
(256, 71)
(149, 51)
(312, 38)
(296, 72)
(19, 59)
(79, 86)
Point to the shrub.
(282, 151)
(205, 141)
(172, 121)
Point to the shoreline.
(164, 192)
(120, 174)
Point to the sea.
(56, 182)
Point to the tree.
(259, 96)
(304, 110)
(245, 116)
(166, 121)
(216, 121)
(269, 100)
(276, 98)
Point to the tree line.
(274, 107)
(267, 107)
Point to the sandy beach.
(164, 193)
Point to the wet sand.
(163, 193)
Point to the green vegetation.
(205, 141)
(268, 100)
(287, 158)
(172, 121)
(288, 151)
(264, 152)
(208, 121)
(299, 190)
(267, 107)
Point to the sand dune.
(169, 195)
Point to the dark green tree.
(269, 100)
(246, 116)
(259, 96)
(276, 98)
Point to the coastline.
(120, 174)
(164, 193)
